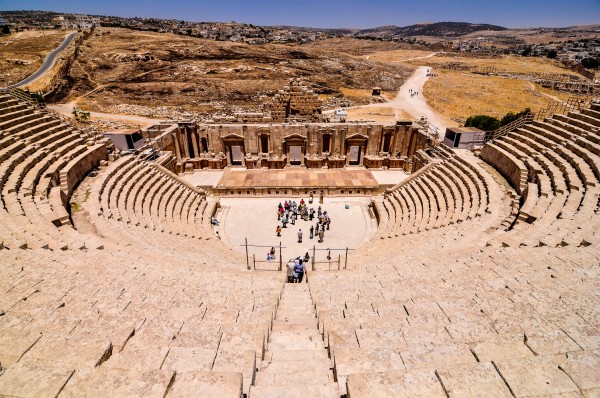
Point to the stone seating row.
(447, 193)
(537, 376)
(381, 321)
(134, 201)
(117, 325)
(32, 154)
(563, 179)
(138, 194)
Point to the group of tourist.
(290, 211)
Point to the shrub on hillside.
(490, 123)
(483, 122)
(590, 63)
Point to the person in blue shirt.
(299, 270)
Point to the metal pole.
(254, 261)
(346, 260)
(280, 259)
(339, 261)
(313, 259)
(247, 260)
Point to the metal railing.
(510, 127)
(571, 104)
(254, 261)
(331, 261)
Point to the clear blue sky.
(337, 13)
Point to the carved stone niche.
(234, 148)
(356, 145)
(294, 147)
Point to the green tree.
(510, 117)
(80, 116)
(552, 54)
(5, 30)
(483, 122)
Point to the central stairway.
(296, 362)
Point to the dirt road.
(404, 104)
(416, 105)
(67, 109)
(423, 57)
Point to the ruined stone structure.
(579, 87)
(295, 103)
(275, 146)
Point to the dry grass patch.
(398, 55)
(514, 64)
(358, 47)
(459, 95)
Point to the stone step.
(295, 391)
(296, 287)
(287, 342)
(296, 332)
(303, 298)
(306, 376)
(297, 355)
(300, 305)
(297, 366)
(295, 314)
(294, 324)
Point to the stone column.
(195, 143)
(393, 142)
(413, 143)
(185, 143)
(363, 153)
(176, 145)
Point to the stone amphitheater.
(482, 278)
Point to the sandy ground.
(417, 106)
(22, 53)
(399, 55)
(403, 106)
(67, 109)
(256, 219)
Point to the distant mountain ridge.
(439, 29)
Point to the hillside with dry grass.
(23, 53)
(119, 66)
(460, 94)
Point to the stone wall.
(311, 145)
(513, 169)
(79, 167)
(295, 102)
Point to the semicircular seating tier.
(482, 276)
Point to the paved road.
(48, 61)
